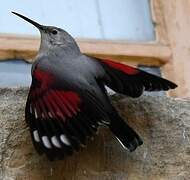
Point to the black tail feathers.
(125, 134)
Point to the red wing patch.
(124, 68)
(49, 102)
(56, 104)
(58, 121)
(45, 78)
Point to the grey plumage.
(67, 99)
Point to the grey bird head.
(52, 37)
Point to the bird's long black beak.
(39, 26)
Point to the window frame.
(160, 52)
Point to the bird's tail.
(125, 134)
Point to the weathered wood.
(176, 16)
(25, 47)
(159, 22)
(139, 53)
(162, 122)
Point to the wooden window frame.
(169, 50)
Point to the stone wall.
(163, 123)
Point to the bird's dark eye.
(54, 32)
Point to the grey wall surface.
(162, 122)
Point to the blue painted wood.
(102, 19)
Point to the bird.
(68, 101)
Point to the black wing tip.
(170, 85)
(159, 83)
(134, 144)
(173, 85)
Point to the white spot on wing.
(122, 144)
(46, 142)
(64, 139)
(36, 136)
(35, 112)
(100, 123)
(106, 122)
(55, 142)
(31, 109)
(43, 116)
(109, 91)
(50, 115)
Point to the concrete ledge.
(163, 123)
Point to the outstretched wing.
(61, 119)
(132, 81)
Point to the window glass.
(100, 19)
(15, 73)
